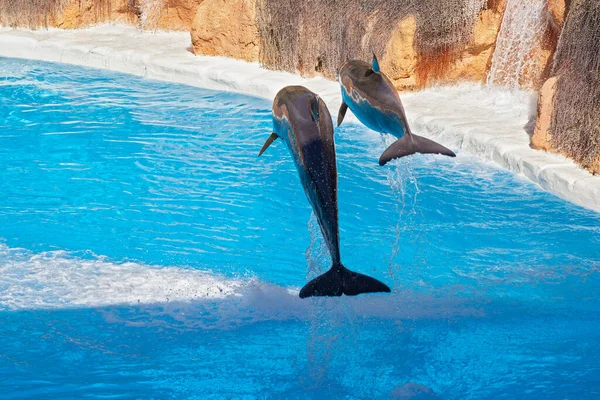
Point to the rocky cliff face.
(73, 14)
(226, 28)
(419, 42)
(571, 114)
(80, 13)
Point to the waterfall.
(517, 60)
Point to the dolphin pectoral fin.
(342, 113)
(411, 144)
(340, 280)
(270, 140)
(375, 64)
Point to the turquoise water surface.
(146, 252)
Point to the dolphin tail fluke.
(411, 144)
(340, 280)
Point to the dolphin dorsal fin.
(314, 109)
(375, 63)
(270, 140)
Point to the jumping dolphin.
(373, 99)
(301, 119)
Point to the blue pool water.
(146, 252)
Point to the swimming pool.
(146, 252)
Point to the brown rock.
(558, 12)
(497, 5)
(541, 139)
(595, 168)
(149, 14)
(474, 62)
(169, 15)
(179, 14)
(408, 71)
(400, 59)
(226, 28)
(81, 13)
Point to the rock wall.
(68, 14)
(226, 28)
(571, 114)
(419, 42)
(411, 70)
(80, 13)
(74, 14)
(168, 15)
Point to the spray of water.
(317, 255)
(322, 333)
(332, 332)
(516, 62)
(404, 186)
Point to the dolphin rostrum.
(375, 102)
(301, 119)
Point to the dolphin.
(375, 102)
(301, 119)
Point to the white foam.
(135, 293)
(57, 280)
(484, 122)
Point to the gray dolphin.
(303, 122)
(373, 99)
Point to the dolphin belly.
(372, 117)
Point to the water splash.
(404, 186)
(324, 316)
(317, 256)
(517, 61)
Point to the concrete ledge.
(476, 119)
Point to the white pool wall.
(479, 120)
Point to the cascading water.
(400, 177)
(517, 62)
(316, 254)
